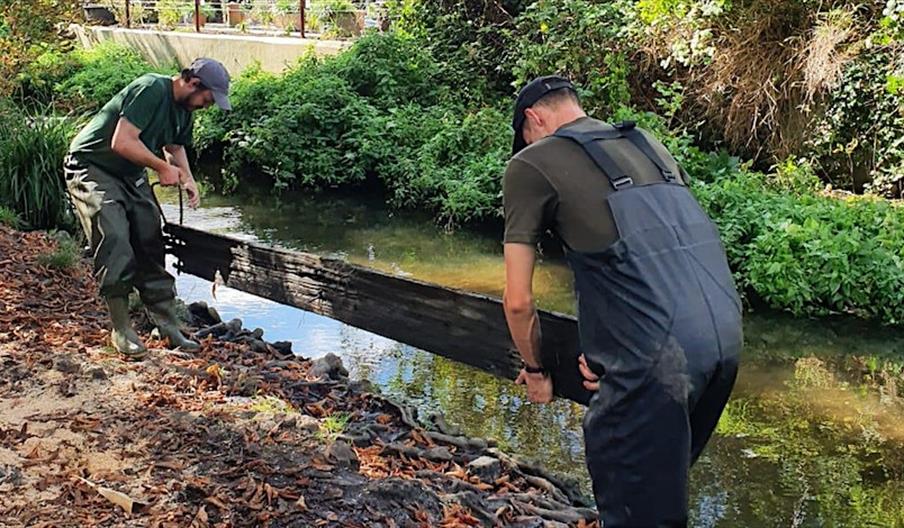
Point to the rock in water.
(329, 366)
(438, 454)
(487, 469)
(283, 349)
(342, 454)
(203, 315)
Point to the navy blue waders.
(660, 321)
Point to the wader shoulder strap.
(637, 139)
(588, 141)
(617, 176)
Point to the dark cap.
(528, 97)
(214, 76)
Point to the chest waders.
(660, 320)
(121, 219)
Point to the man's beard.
(186, 104)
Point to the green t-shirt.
(148, 104)
(553, 185)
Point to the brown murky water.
(813, 435)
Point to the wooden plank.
(463, 326)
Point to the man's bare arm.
(518, 300)
(127, 143)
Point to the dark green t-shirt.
(148, 104)
(553, 185)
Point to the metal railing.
(335, 18)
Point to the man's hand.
(169, 175)
(591, 380)
(539, 386)
(188, 183)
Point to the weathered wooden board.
(459, 325)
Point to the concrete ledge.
(236, 52)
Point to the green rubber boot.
(125, 340)
(168, 324)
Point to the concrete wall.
(236, 52)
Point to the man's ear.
(534, 117)
(195, 83)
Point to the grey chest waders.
(660, 320)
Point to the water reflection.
(812, 436)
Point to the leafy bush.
(8, 217)
(471, 40)
(336, 16)
(32, 147)
(248, 93)
(699, 164)
(579, 39)
(390, 70)
(36, 83)
(795, 177)
(448, 161)
(336, 122)
(27, 29)
(811, 254)
(101, 73)
(860, 138)
(306, 135)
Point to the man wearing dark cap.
(145, 126)
(658, 313)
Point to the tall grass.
(32, 148)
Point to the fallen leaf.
(217, 502)
(122, 500)
(200, 520)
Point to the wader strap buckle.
(588, 141)
(625, 181)
(640, 143)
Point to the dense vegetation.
(422, 115)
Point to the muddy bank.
(242, 433)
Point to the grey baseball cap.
(213, 75)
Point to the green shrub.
(336, 17)
(8, 217)
(32, 147)
(858, 141)
(796, 177)
(471, 40)
(581, 40)
(389, 70)
(448, 161)
(38, 79)
(699, 164)
(28, 29)
(811, 254)
(307, 135)
(249, 93)
(102, 72)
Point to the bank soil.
(241, 433)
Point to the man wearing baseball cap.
(658, 313)
(145, 126)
